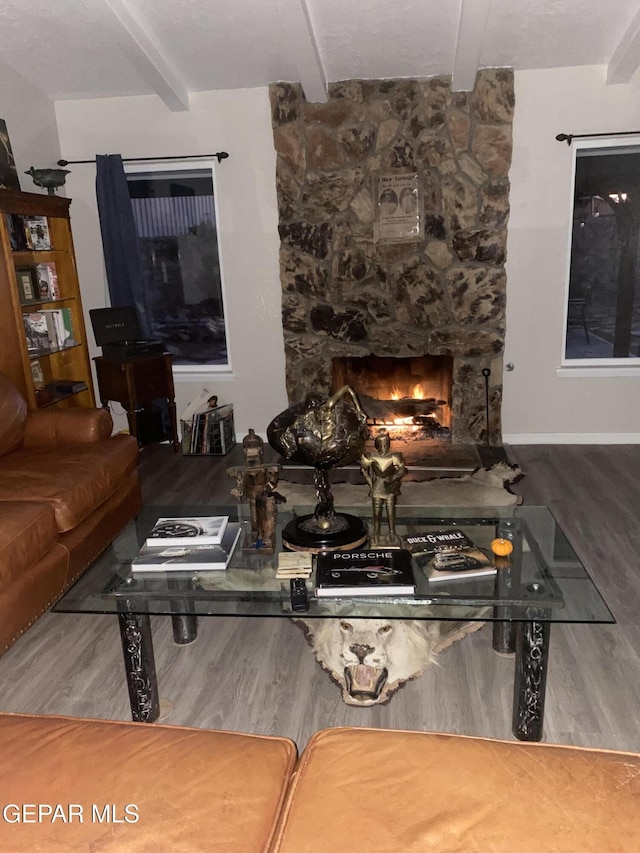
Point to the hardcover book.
(47, 281)
(189, 558)
(446, 555)
(376, 571)
(37, 232)
(205, 530)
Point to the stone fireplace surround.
(343, 295)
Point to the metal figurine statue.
(383, 471)
(256, 482)
(50, 179)
(324, 433)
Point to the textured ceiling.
(101, 48)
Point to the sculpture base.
(306, 533)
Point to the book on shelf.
(189, 558)
(47, 279)
(198, 530)
(376, 571)
(37, 332)
(447, 555)
(69, 386)
(17, 234)
(37, 233)
(37, 375)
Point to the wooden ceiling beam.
(474, 15)
(147, 56)
(626, 56)
(300, 37)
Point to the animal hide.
(370, 659)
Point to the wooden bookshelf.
(61, 355)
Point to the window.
(175, 215)
(602, 314)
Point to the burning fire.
(416, 394)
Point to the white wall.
(31, 122)
(540, 405)
(238, 122)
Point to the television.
(115, 325)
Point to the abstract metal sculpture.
(322, 433)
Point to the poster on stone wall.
(8, 171)
(399, 210)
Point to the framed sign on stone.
(399, 217)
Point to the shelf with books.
(38, 281)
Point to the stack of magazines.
(204, 544)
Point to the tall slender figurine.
(256, 482)
(383, 471)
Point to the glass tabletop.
(546, 581)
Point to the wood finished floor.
(259, 675)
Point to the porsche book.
(189, 558)
(376, 571)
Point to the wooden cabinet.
(39, 282)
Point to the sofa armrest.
(49, 428)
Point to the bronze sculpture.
(322, 433)
(383, 471)
(256, 482)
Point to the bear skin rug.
(370, 659)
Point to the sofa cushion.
(373, 790)
(13, 413)
(155, 787)
(27, 532)
(75, 479)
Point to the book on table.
(189, 558)
(376, 571)
(448, 555)
(196, 530)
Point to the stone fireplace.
(350, 303)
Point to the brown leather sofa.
(67, 487)
(70, 784)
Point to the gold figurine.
(383, 471)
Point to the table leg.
(530, 682)
(183, 618)
(173, 418)
(139, 664)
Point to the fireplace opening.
(410, 397)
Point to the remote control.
(299, 597)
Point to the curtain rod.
(221, 155)
(568, 137)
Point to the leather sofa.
(71, 784)
(67, 487)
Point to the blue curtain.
(125, 272)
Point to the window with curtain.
(174, 208)
(602, 311)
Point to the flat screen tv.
(115, 325)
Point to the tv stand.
(136, 383)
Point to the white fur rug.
(484, 487)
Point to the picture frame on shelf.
(27, 285)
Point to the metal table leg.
(530, 682)
(139, 664)
(183, 618)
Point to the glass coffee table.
(545, 583)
